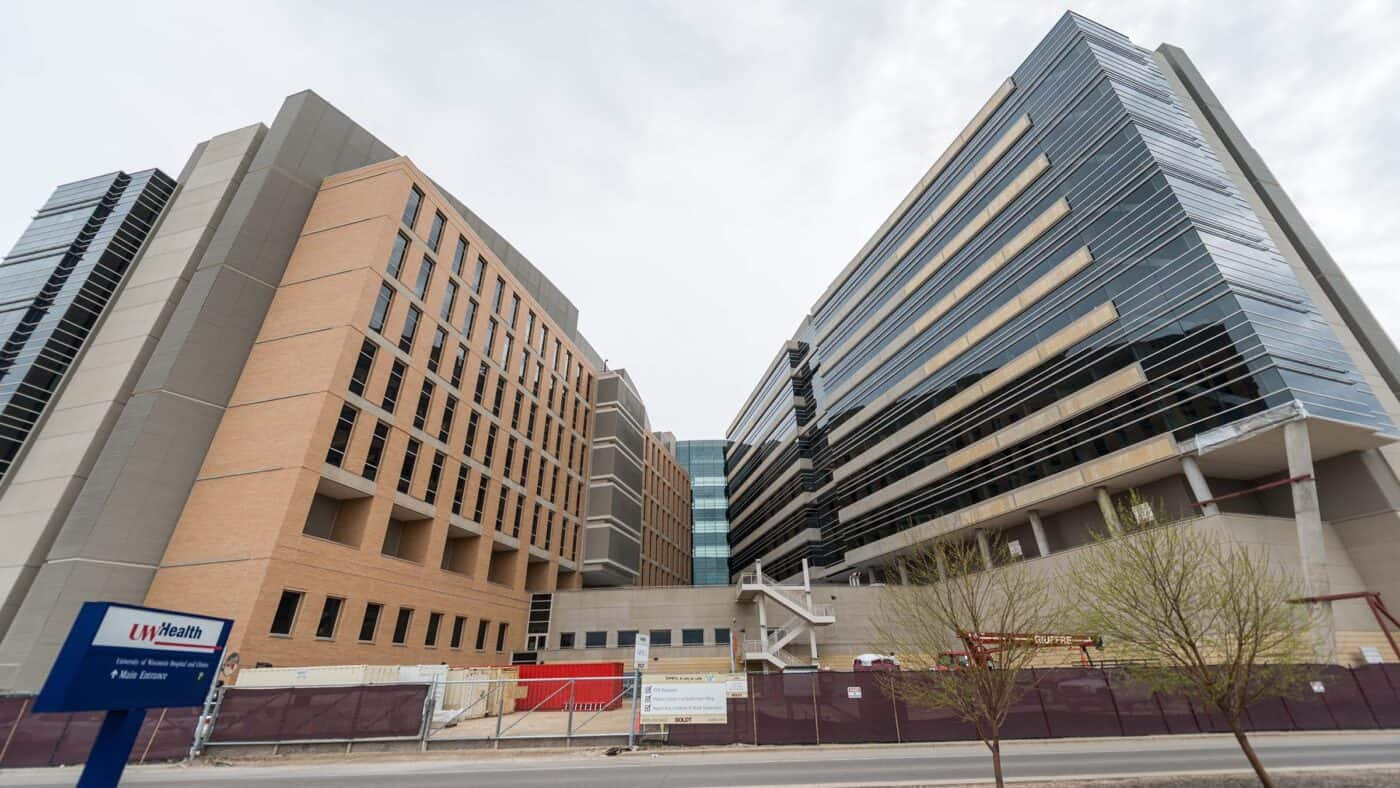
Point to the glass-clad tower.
(57, 281)
(709, 507)
(1097, 288)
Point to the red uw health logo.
(125, 627)
(142, 632)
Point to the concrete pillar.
(762, 623)
(1197, 481)
(984, 546)
(1312, 548)
(1110, 515)
(941, 561)
(903, 574)
(1042, 545)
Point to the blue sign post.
(124, 659)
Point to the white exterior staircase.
(770, 647)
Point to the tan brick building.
(403, 459)
(666, 521)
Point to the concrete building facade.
(197, 460)
(1097, 288)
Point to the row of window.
(328, 623)
(626, 638)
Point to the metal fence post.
(500, 708)
(632, 724)
(569, 734)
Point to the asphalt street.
(807, 766)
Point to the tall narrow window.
(482, 628)
(376, 450)
(486, 456)
(410, 461)
(544, 337)
(530, 327)
(459, 255)
(435, 351)
(500, 396)
(340, 438)
(449, 300)
(410, 210)
(364, 364)
(498, 295)
(425, 403)
(381, 308)
(481, 376)
(504, 359)
(501, 636)
(434, 478)
(480, 506)
(435, 233)
(392, 386)
(459, 363)
(410, 329)
(330, 616)
(401, 625)
(286, 613)
(459, 623)
(515, 411)
(519, 507)
(514, 310)
(396, 255)
(530, 423)
(524, 465)
(370, 622)
(449, 409)
(459, 491)
(434, 622)
(491, 327)
(473, 420)
(524, 364)
(479, 274)
(469, 319)
(510, 457)
(425, 277)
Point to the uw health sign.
(128, 657)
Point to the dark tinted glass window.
(459, 623)
(692, 637)
(410, 209)
(595, 640)
(459, 255)
(482, 627)
(396, 256)
(410, 460)
(435, 234)
(449, 410)
(370, 622)
(434, 621)
(515, 310)
(434, 478)
(722, 636)
(425, 277)
(481, 376)
(435, 352)
(330, 614)
(473, 421)
(566, 640)
(459, 491)
(340, 438)
(449, 300)
(501, 635)
(401, 625)
(626, 638)
(498, 296)
(458, 364)
(425, 403)
(661, 637)
(376, 450)
(364, 364)
(286, 612)
(410, 329)
(469, 319)
(381, 308)
(392, 386)
(478, 274)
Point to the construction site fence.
(855, 708)
(306, 714)
(64, 739)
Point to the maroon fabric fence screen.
(377, 711)
(852, 708)
(29, 739)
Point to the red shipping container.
(599, 686)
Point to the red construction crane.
(1373, 601)
(982, 647)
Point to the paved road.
(807, 766)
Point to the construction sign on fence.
(686, 698)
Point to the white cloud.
(691, 174)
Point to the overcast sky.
(691, 175)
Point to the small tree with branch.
(1210, 618)
(947, 594)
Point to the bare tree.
(947, 594)
(1211, 618)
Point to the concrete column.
(762, 623)
(941, 561)
(1110, 515)
(1312, 548)
(1042, 545)
(984, 546)
(1197, 480)
(903, 574)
